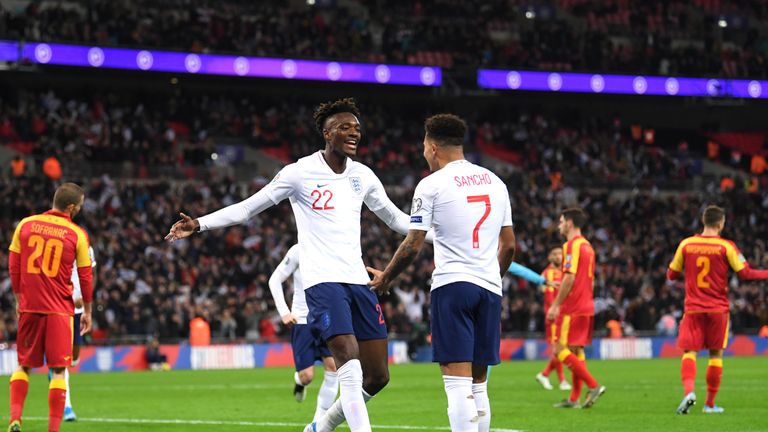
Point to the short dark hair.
(446, 129)
(712, 215)
(576, 215)
(327, 109)
(66, 194)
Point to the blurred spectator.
(156, 360)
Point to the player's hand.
(85, 324)
(553, 284)
(185, 227)
(289, 319)
(553, 312)
(18, 313)
(78, 303)
(379, 284)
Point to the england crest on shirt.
(356, 184)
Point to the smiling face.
(342, 133)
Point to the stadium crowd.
(181, 130)
(148, 287)
(682, 37)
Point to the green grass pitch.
(642, 396)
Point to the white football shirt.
(77, 293)
(287, 267)
(327, 207)
(466, 205)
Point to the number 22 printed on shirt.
(318, 196)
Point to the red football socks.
(578, 367)
(714, 374)
(688, 372)
(57, 397)
(19, 386)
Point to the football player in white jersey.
(307, 348)
(468, 206)
(327, 190)
(77, 340)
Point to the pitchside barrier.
(245, 356)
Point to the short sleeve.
(291, 260)
(284, 185)
(16, 241)
(677, 260)
(83, 250)
(376, 196)
(735, 258)
(422, 207)
(572, 255)
(507, 210)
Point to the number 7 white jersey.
(466, 205)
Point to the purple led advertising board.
(621, 84)
(189, 63)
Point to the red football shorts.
(703, 331)
(550, 327)
(44, 337)
(575, 330)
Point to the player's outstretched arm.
(524, 272)
(748, 273)
(398, 221)
(231, 215)
(404, 256)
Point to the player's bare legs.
(714, 374)
(462, 410)
(374, 357)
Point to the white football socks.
(483, 404)
(68, 401)
(462, 412)
(352, 403)
(327, 394)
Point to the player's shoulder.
(360, 169)
(293, 252)
(80, 231)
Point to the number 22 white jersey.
(327, 208)
(466, 205)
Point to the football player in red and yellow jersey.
(42, 253)
(706, 258)
(553, 274)
(573, 309)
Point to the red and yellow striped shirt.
(42, 253)
(579, 260)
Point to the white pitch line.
(242, 423)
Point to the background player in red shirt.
(43, 252)
(553, 276)
(706, 258)
(573, 309)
